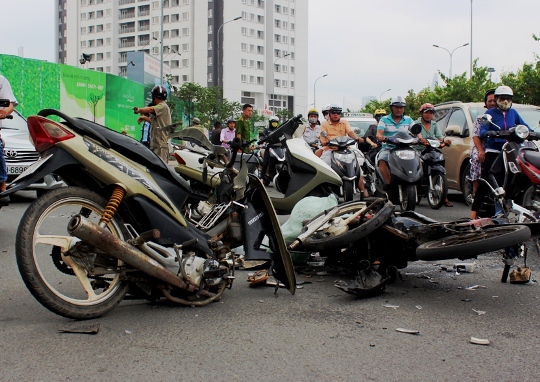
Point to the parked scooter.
(434, 186)
(118, 228)
(346, 163)
(305, 174)
(406, 169)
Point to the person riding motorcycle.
(312, 130)
(272, 125)
(503, 117)
(389, 125)
(336, 127)
(371, 133)
(430, 129)
(326, 111)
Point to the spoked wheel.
(468, 245)
(334, 235)
(408, 202)
(437, 194)
(83, 284)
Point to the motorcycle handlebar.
(236, 144)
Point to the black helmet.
(159, 92)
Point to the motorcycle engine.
(199, 270)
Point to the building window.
(292, 84)
(278, 23)
(277, 83)
(251, 48)
(244, 47)
(210, 45)
(260, 80)
(284, 83)
(284, 68)
(185, 63)
(285, 39)
(185, 16)
(243, 62)
(243, 78)
(185, 32)
(277, 53)
(185, 47)
(251, 79)
(292, 40)
(210, 13)
(278, 8)
(277, 38)
(260, 65)
(292, 26)
(210, 29)
(251, 63)
(244, 31)
(185, 78)
(260, 34)
(260, 19)
(260, 49)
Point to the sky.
(364, 46)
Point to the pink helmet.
(426, 106)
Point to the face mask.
(313, 120)
(504, 105)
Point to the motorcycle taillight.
(45, 133)
(179, 159)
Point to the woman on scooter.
(430, 129)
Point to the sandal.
(258, 278)
(448, 204)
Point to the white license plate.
(15, 170)
(33, 167)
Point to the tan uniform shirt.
(333, 130)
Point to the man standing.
(5, 93)
(389, 125)
(228, 134)
(243, 125)
(216, 133)
(160, 117)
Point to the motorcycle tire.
(64, 284)
(531, 198)
(469, 245)
(437, 196)
(348, 190)
(383, 211)
(409, 197)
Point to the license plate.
(14, 170)
(32, 168)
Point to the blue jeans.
(3, 168)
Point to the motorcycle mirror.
(416, 128)
(485, 119)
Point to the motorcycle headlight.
(522, 131)
(406, 154)
(345, 158)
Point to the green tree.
(284, 114)
(525, 83)
(187, 95)
(212, 107)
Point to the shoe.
(448, 204)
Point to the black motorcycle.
(434, 185)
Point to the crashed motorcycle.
(117, 227)
(372, 241)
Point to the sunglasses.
(335, 112)
(429, 111)
(505, 98)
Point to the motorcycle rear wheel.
(437, 196)
(469, 245)
(382, 210)
(84, 287)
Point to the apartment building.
(256, 49)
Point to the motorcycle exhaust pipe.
(104, 240)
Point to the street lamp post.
(380, 97)
(450, 53)
(490, 71)
(315, 83)
(217, 36)
(274, 80)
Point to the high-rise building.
(256, 49)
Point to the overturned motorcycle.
(118, 226)
(374, 241)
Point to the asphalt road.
(319, 334)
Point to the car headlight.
(345, 158)
(522, 131)
(406, 154)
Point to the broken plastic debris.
(479, 341)
(418, 306)
(84, 329)
(391, 306)
(480, 312)
(409, 331)
(465, 267)
(127, 331)
(261, 301)
(476, 287)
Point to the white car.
(20, 153)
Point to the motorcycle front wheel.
(408, 197)
(83, 285)
(348, 190)
(437, 194)
(469, 245)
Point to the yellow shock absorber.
(112, 206)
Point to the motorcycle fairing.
(401, 169)
(259, 220)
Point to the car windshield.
(360, 127)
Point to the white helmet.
(504, 90)
(397, 101)
(274, 119)
(326, 109)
